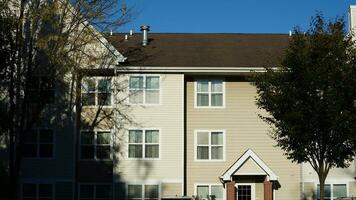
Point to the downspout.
(302, 181)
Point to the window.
(143, 143)
(95, 192)
(39, 144)
(245, 192)
(95, 145)
(32, 191)
(213, 192)
(142, 192)
(96, 91)
(209, 145)
(144, 89)
(41, 88)
(209, 93)
(333, 191)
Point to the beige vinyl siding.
(309, 190)
(167, 117)
(171, 189)
(335, 173)
(352, 188)
(244, 130)
(259, 191)
(352, 17)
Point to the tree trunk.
(322, 177)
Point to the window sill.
(148, 159)
(209, 107)
(222, 160)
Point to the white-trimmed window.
(96, 91)
(95, 192)
(209, 191)
(144, 89)
(209, 93)
(143, 192)
(39, 143)
(36, 191)
(209, 145)
(143, 143)
(95, 145)
(333, 191)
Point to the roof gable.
(249, 155)
(249, 167)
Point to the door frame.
(253, 189)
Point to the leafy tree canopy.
(311, 97)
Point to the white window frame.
(210, 145)
(37, 183)
(332, 183)
(38, 143)
(209, 185)
(95, 184)
(253, 189)
(144, 90)
(95, 144)
(143, 184)
(209, 93)
(96, 92)
(144, 143)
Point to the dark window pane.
(152, 151)
(46, 150)
(134, 191)
(135, 136)
(135, 151)
(88, 99)
(87, 152)
(203, 153)
(86, 191)
(31, 136)
(103, 191)
(216, 99)
(136, 82)
(46, 136)
(151, 191)
(203, 100)
(88, 85)
(103, 138)
(103, 152)
(45, 190)
(30, 150)
(87, 137)
(104, 99)
(29, 190)
(104, 85)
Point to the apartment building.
(177, 120)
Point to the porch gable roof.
(249, 155)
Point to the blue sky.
(231, 16)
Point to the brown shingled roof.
(202, 50)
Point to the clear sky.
(231, 16)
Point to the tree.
(55, 39)
(311, 98)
